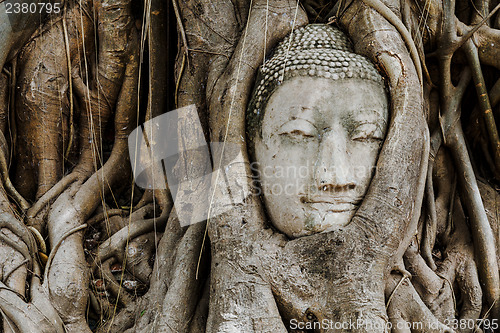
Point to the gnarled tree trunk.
(82, 248)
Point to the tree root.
(258, 279)
(15, 268)
(116, 289)
(139, 253)
(50, 195)
(57, 245)
(36, 316)
(26, 318)
(105, 216)
(115, 245)
(21, 248)
(430, 227)
(453, 138)
(17, 228)
(68, 275)
(162, 275)
(407, 311)
(405, 34)
(4, 172)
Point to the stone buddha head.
(315, 125)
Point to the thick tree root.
(115, 246)
(408, 313)
(250, 277)
(69, 275)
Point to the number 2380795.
(32, 8)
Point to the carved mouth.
(331, 204)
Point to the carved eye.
(367, 132)
(298, 128)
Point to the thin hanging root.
(484, 101)
(403, 278)
(101, 305)
(4, 103)
(70, 81)
(469, 34)
(119, 321)
(185, 56)
(9, 187)
(178, 83)
(115, 168)
(96, 111)
(181, 29)
(4, 172)
(447, 280)
(449, 222)
(431, 221)
(12, 124)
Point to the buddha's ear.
(397, 188)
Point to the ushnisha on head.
(315, 125)
(315, 50)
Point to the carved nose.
(333, 168)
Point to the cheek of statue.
(319, 146)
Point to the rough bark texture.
(83, 249)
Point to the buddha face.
(319, 146)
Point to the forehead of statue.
(320, 100)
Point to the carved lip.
(331, 204)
